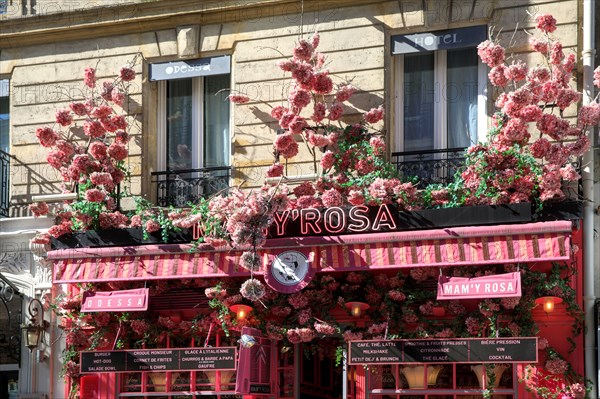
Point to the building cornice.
(133, 18)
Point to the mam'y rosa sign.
(450, 350)
(115, 301)
(186, 359)
(495, 286)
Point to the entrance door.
(319, 376)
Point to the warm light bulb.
(549, 304)
(241, 314)
(356, 310)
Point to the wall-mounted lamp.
(357, 308)
(415, 376)
(33, 331)
(548, 302)
(241, 311)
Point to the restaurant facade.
(374, 300)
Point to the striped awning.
(518, 243)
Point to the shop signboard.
(180, 359)
(135, 300)
(495, 286)
(448, 350)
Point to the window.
(439, 104)
(4, 147)
(195, 125)
(194, 139)
(4, 115)
(440, 100)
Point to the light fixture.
(415, 376)
(481, 373)
(357, 308)
(247, 341)
(241, 311)
(33, 331)
(548, 302)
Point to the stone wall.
(45, 74)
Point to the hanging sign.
(448, 350)
(190, 68)
(115, 301)
(186, 359)
(496, 286)
(439, 40)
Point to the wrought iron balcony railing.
(429, 166)
(179, 188)
(4, 183)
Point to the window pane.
(418, 102)
(461, 97)
(179, 124)
(216, 121)
(4, 116)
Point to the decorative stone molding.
(187, 40)
(43, 267)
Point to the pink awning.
(518, 243)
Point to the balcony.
(4, 183)
(180, 188)
(429, 166)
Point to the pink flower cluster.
(298, 335)
(556, 366)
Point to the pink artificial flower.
(546, 23)
(336, 111)
(497, 76)
(89, 77)
(569, 173)
(122, 137)
(540, 74)
(531, 113)
(118, 151)
(127, 74)
(152, 226)
(325, 328)
(303, 51)
(540, 148)
(331, 198)
(556, 54)
(327, 160)
(322, 83)
(303, 74)
(117, 96)
(318, 140)
(356, 197)
(378, 145)
(106, 92)
(517, 71)
(319, 111)
(304, 189)
(275, 170)
(46, 136)
(539, 45)
(344, 93)
(78, 109)
(39, 209)
(238, 98)
(297, 124)
(556, 366)
(567, 97)
(589, 115)
(490, 53)
(374, 115)
(278, 111)
(98, 150)
(315, 40)
(63, 117)
(93, 129)
(597, 76)
(299, 98)
(101, 178)
(95, 195)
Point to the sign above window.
(190, 68)
(439, 40)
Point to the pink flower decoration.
(118, 151)
(238, 98)
(546, 23)
(95, 195)
(344, 93)
(46, 136)
(275, 170)
(127, 74)
(374, 115)
(89, 77)
(64, 117)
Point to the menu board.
(450, 350)
(186, 359)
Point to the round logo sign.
(289, 272)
